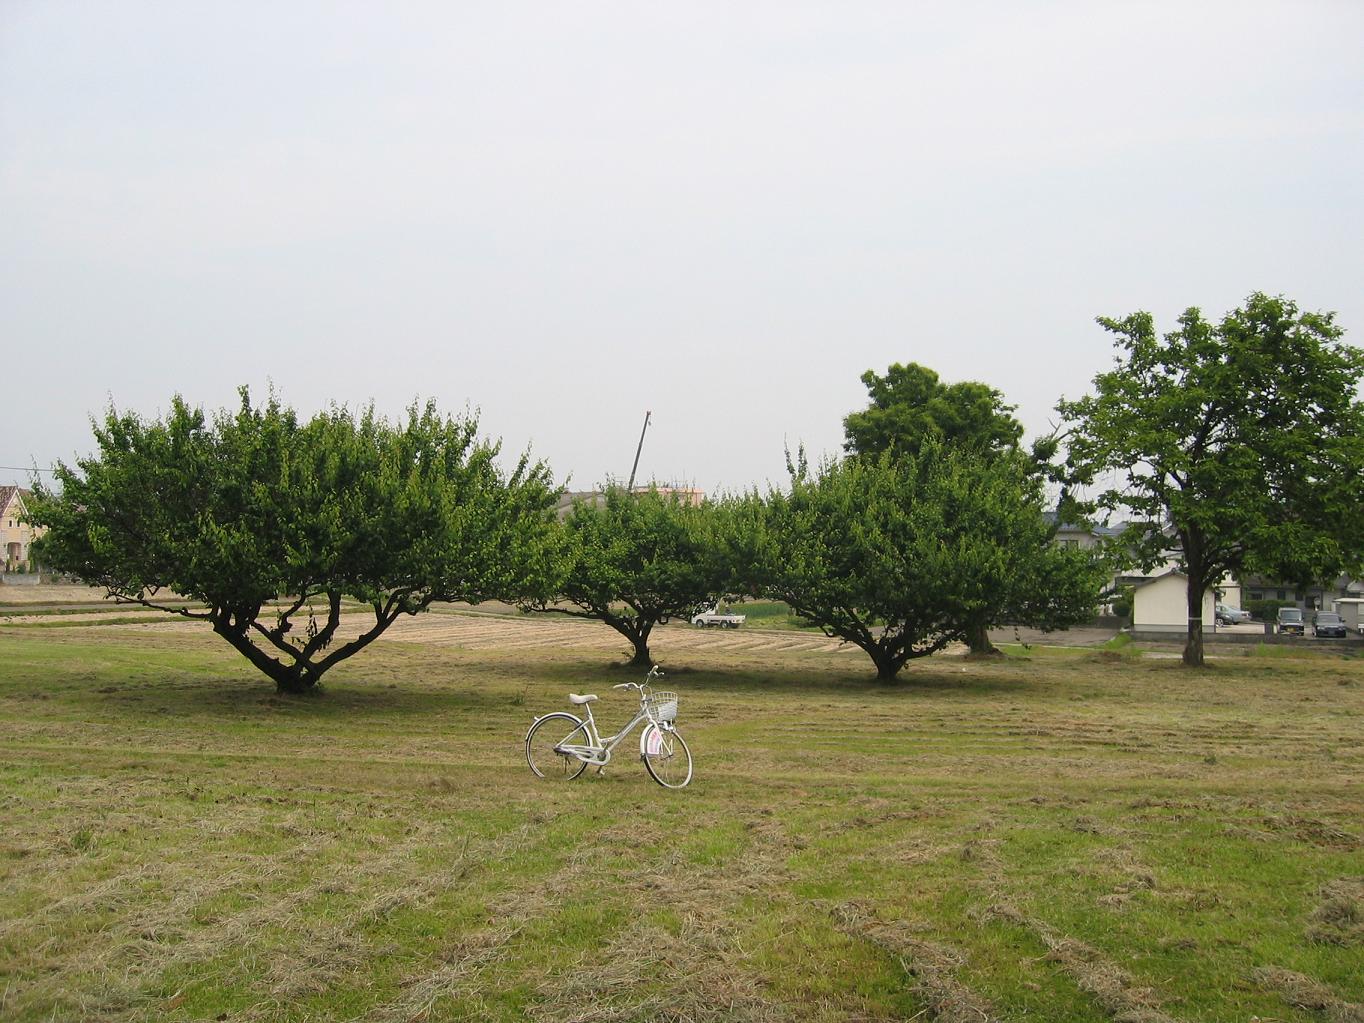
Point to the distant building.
(568, 498)
(1317, 596)
(686, 494)
(1161, 604)
(1081, 534)
(1155, 602)
(15, 533)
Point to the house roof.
(1157, 578)
(1086, 527)
(7, 495)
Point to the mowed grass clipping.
(1089, 837)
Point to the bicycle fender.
(541, 717)
(646, 746)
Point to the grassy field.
(768, 614)
(1089, 837)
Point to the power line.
(24, 468)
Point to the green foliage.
(770, 614)
(1281, 651)
(1122, 604)
(1265, 610)
(241, 509)
(911, 406)
(634, 561)
(1246, 436)
(903, 555)
(1120, 646)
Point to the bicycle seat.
(575, 698)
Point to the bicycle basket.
(662, 705)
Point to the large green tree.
(909, 407)
(634, 560)
(272, 525)
(898, 555)
(1238, 445)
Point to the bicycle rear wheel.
(667, 757)
(550, 731)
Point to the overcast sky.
(564, 214)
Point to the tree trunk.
(887, 665)
(288, 678)
(978, 638)
(300, 675)
(296, 685)
(1193, 647)
(636, 630)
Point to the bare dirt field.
(50, 594)
(492, 626)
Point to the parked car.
(1231, 615)
(1328, 623)
(1290, 621)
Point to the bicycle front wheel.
(667, 757)
(545, 735)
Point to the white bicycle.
(560, 746)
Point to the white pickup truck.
(712, 617)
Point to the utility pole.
(630, 487)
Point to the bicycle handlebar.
(654, 672)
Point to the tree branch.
(124, 598)
(323, 637)
(542, 608)
(277, 640)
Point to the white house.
(15, 533)
(1351, 611)
(1160, 604)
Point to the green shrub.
(764, 610)
(1266, 610)
(1122, 603)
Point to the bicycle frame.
(599, 750)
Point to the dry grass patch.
(1339, 919)
(1115, 990)
(933, 967)
(1305, 993)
